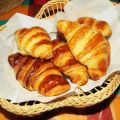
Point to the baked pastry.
(99, 25)
(88, 46)
(34, 41)
(64, 60)
(39, 75)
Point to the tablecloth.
(107, 110)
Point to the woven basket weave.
(81, 99)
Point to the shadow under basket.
(80, 99)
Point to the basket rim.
(84, 101)
(49, 3)
(74, 100)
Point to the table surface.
(107, 110)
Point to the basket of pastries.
(41, 64)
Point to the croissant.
(99, 25)
(88, 46)
(34, 41)
(36, 74)
(66, 63)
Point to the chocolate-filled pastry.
(36, 74)
(64, 60)
(88, 46)
(34, 41)
(99, 25)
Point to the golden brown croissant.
(88, 46)
(39, 75)
(67, 64)
(35, 42)
(99, 25)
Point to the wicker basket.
(82, 99)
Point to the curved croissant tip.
(60, 25)
(60, 22)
